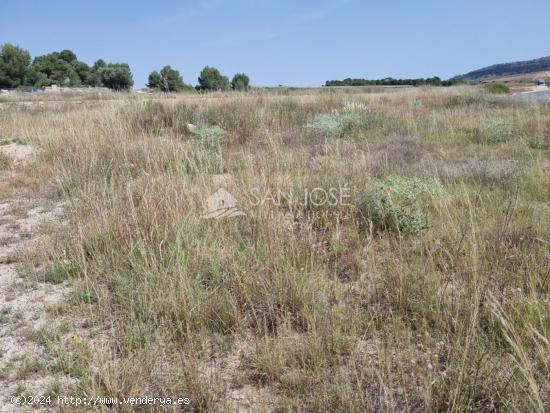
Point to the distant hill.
(510, 69)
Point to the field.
(529, 77)
(421, 282)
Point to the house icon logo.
(221, 204)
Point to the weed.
(394, 204)
(61, 273)
(497, 88)
(537, 143)
(22, 390)
(210, 138)
(494, 130)
(338, 123)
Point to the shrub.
(384, 214)
(326, 123)
(395, 204)
(537, 143)
(337, 123)
(210, 138)
(494, 130)
(61, 273)
(497, 88)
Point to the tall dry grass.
(318, 314)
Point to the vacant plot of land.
(391, 250)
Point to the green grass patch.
(497, 88)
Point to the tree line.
(170, 80)
(18, 70)
(390, 81)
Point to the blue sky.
(300, 43)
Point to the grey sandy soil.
(24, 300)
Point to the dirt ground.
(24, 300)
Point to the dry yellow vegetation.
(427, 290)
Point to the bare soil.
(24, 301)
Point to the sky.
(287, 42)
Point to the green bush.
(384, 214)
(326, 123)
(210, 138)
(61, 273)
(537, 143)
(338, 123)
(494, 130)
(497, 88)
(395, 205)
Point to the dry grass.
(334, 315)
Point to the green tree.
(116, 76)
(240, 82)
(68, 56)
(211, 79)
(36, 79)
(14, 66)
(94, 79)
(168, 80)
(172, 80)
(58, 71)
(99, 63)
(84, 72)
(154, 80)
